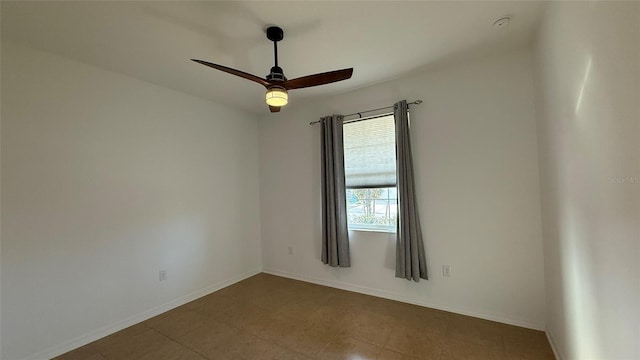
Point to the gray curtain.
(335, 236)
(411, 262)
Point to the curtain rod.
(417, 102)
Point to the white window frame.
(373, 227)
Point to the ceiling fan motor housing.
(276, 74)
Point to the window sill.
(389, 230)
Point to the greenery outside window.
(372, 208)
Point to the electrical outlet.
(163, 275)
(446, 270)
(290, 250)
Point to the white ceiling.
(154, 40)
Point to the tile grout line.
(327, 344)
(98, 351)
(176, 341)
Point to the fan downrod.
(275, 34)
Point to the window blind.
(370, 153)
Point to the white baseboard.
(398, 297)
(112, 328)
(554, 347)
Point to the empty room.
(318, 180)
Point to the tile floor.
(270, 317)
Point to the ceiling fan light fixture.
(277, 96)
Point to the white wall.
(105, 181)
(588, 66)
(476, 166)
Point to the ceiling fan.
(276, 83)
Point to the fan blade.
(235, 72)
(274, 108)
(318, 79)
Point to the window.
(370, 174)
